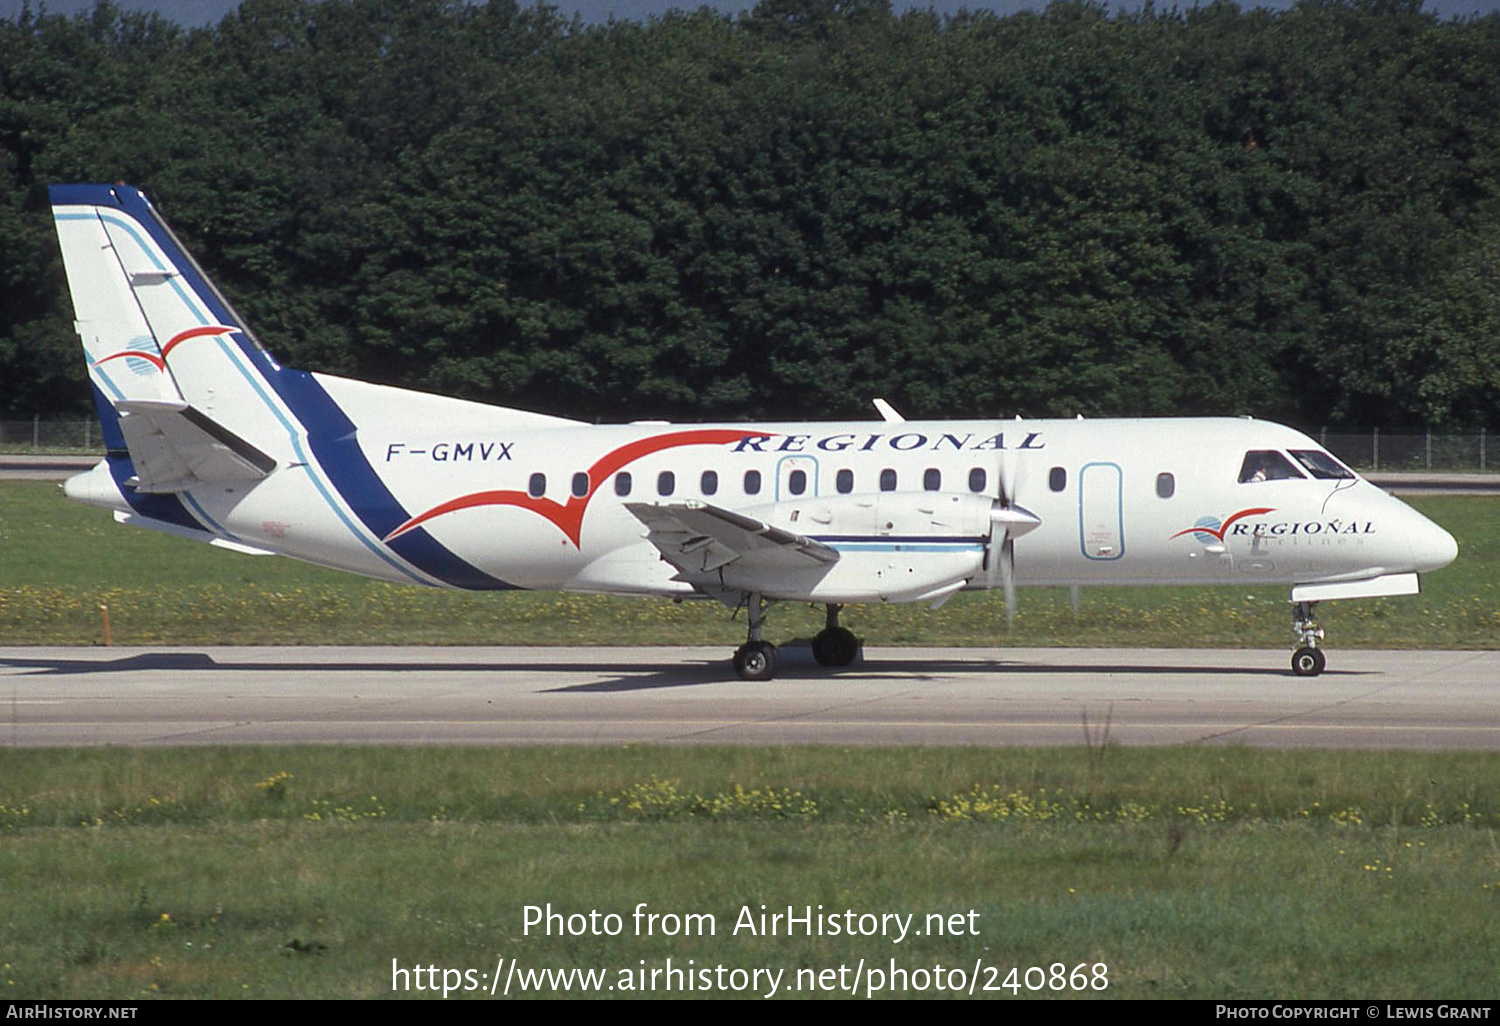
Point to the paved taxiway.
(71, 696)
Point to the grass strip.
(302, 872)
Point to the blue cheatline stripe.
(902, 547)
(904, 539)
(157, 507)
(109, 421)
(328, 431)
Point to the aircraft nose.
(1431, 547)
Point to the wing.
(698, 539)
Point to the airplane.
(210, 438)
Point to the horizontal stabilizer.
(175, 448)
(698, 538)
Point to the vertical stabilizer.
(152, 325)
(196, 414)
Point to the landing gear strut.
(756, 659)
(835, 645)
(1308, 660)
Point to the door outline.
(784, 468)
(1094, 497)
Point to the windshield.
(1321, 465)
(1267, 465)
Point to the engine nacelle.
(892, 546)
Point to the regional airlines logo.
(1208, 530)
(141, 361)
(568, 517)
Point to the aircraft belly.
(287, 514)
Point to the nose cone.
(1432, 548)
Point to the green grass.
(302, 872)
(59, 562)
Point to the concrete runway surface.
(200, 696)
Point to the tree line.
(1215, 210)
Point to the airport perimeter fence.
(1375, 450)
(51, 437)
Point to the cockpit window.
(1267, 465)
(1321, 465)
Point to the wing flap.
(175, 448)
(698, 538)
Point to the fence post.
(1481, 450)
(1429, 448)
(36, 432)
(1375, 450)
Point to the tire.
(1308, 662)
(756, 660)
(836, 646)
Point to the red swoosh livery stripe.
(568, 517)
(160, 362)
(183, 336)
(1219, 533)
(151, 358)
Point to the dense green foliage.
(1215, 210)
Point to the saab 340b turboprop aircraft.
(210, 438)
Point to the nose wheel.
(1308, 660)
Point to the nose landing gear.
(1308, 660)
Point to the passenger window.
(932, 480)
(1057, 479)
(709, 483)
(580, 485)
(1267, 465)
(978, 479)
(796, 482)
(844, 481)
(1166, 486)
(887, 480)
(752, 482)
(666, 483)
(537, 486)
(622, 483)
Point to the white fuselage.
(534, 503)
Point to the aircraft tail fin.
(154, 328)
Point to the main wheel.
(1308, 662)
(756, 660)
(835, 646)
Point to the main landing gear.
(758, 659)
(835, 645)
(1308, 660)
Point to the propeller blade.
(1008, 521)
(1008, 577)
